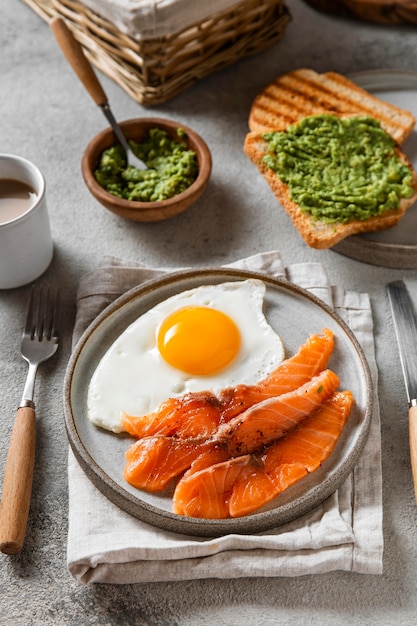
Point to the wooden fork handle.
(17, 483)
(77, 59)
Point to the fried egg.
(207, 338)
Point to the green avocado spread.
(339, 170)
(172, 168)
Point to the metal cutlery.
(405, 327)
(39, 343)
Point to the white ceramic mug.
(26, 246)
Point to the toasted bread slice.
(316, 233)
(304, 92)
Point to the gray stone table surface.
(46, 116)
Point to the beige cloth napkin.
(107, 545)
(151, 19)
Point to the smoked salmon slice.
(153, 461)
(242, 485)
(206, 493)
(273, 418)
(191, 415)
(200, 414)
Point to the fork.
(39, 343)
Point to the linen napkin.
(152, 19)
(106, 545)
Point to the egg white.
(133, 377)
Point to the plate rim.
(382, 254)
(382, 74)
(256, 522)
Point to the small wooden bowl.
(137, 130)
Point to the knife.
(405, 327)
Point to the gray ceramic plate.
(294, 314)
(395, 247)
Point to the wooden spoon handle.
(17, 484)
(77, 59)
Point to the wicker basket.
(153, 71)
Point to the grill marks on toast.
(289, 99)
(305, 92)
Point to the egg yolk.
(198, 340)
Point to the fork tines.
(42, 318)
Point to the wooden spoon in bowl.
(82, 67)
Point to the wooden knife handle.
(77, 59)
(412, 426)
(17, 484)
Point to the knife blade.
(405, 327)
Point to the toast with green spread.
(335, 176)
(304, 92)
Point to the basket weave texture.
(154, 70)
